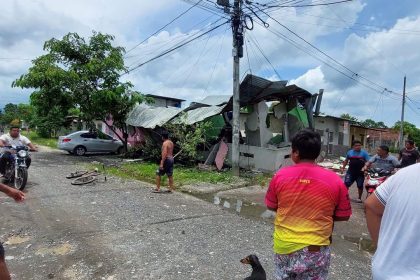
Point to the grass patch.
(146, 172)
(38, 140)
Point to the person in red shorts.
(307, 199)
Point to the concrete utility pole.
(402, 116)
(238, 41)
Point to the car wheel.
(79, 151)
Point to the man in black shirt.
(409, 155)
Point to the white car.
(82, 142)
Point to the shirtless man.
(166, 163)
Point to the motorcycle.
(374, 178)
(16, 170)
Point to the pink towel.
(221, 155)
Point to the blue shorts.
(168, 168)
(350, 178)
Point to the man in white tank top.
(392, 215)
(13, 138)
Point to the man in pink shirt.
(307, 199)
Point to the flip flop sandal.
(77, 174)
(160, 191)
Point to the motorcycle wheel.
(21, 179)
(9, 174)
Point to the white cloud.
(204, 67)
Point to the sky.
(357, 51)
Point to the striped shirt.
(306, 197)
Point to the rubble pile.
(333, 164)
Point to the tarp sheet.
(301, 115)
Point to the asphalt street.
(118, 229)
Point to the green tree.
(82, 74)
(10, 113)
(187, 137)
(51, 99)
(372, 124)
(415, 136)
(408, 128)
(349, 117)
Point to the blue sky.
(376, 40)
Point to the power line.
(368, 45)
(160, 29)
(175, 48)
(295, 44)
(388, 28)
(179, 39)
(212, 9)
(305, 5)
(215, 63)
(266, 58)
(413, 109)
(325, 54)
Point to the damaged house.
(271, 113)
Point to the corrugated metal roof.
(215, 100)
(200, 114)
(254, 89)
(149, 117)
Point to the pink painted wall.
(134, 135)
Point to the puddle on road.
(14, 240)
(243, 208)
(362, 243)
(59, 250)
(256, 211)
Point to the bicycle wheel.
(83, 180)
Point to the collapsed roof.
(253, 89)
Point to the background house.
(164, 101)
(135, 135)
(335, 134)
(383, 136)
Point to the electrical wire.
(266, 58)
(368, 45)
(177, 39)
(180, 74)
(325, 54)
(212, 9)
(412, 109)
(295, 44)
(170, 22)
(215, 63)
(388, 28)
(376, 107)
(175, 48)
(305, 5)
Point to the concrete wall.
(264, 159)
(326, 126)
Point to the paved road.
(120, 230)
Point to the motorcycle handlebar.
(17, 147)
